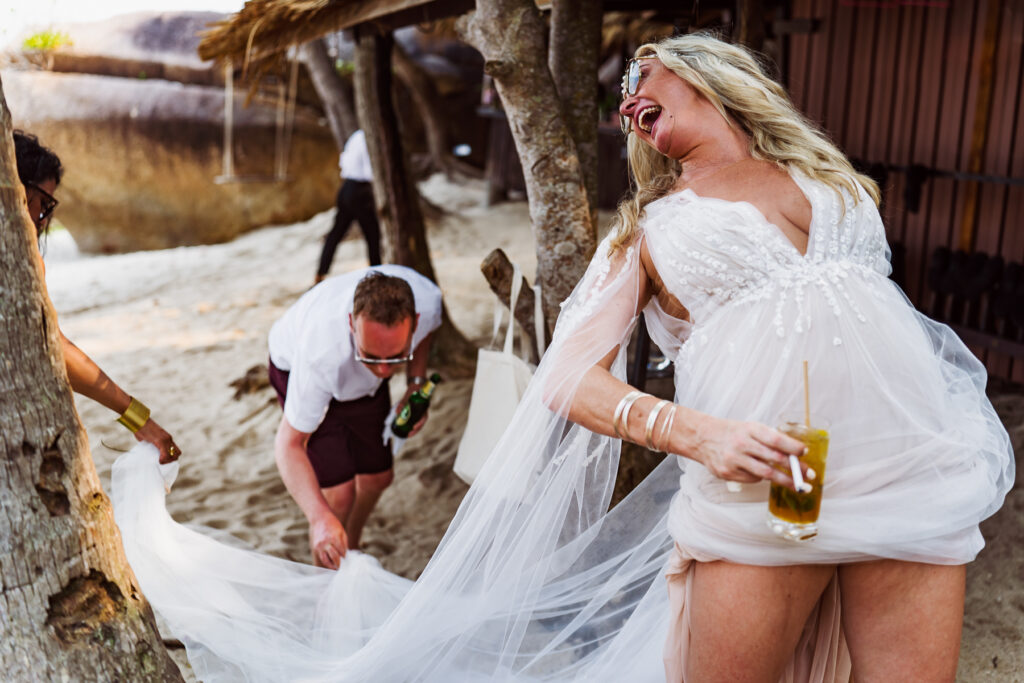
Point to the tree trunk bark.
(70, 607)
(510, 35)
(575, 50)
(425, 96)
(334, 92)
(403, 233)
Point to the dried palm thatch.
(627, 30)
(258, 36)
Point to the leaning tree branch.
(498, 270)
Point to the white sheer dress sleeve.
(534, 580)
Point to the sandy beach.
(178, 327)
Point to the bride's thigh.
(745, 621)
(902, 619)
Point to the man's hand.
(409, 391)
(327, 540)
(153, 433)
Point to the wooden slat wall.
(899, 82)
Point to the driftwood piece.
(497, 269)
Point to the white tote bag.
(501, 379)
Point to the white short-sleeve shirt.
(355, 159)
(314, 343)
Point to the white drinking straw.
(798, 479)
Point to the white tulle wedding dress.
(535, 580)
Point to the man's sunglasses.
(48, 201)
(382, 361)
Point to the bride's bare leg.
(746, 621)
(902, 619)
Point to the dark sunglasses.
(48, 201)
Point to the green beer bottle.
(414, 408)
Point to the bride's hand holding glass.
(745, 452)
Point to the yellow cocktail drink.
(794, 515)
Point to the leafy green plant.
(46, 41)
(344, 68)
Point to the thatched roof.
(264, 29)
(261, 32)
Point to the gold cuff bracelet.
(134, 416)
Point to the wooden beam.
(423, 13)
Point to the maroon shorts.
(348, 441)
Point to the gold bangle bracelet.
(134, 416)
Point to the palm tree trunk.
(70, 607)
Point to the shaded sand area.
(178, 327)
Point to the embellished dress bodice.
(902, 398)
(729, 252)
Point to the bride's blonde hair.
(732, 79)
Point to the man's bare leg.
(368, 488)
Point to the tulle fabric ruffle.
(917, 455)
(534, 580)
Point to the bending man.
(331, 355)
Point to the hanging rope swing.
(284, 127)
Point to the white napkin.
(396, 441)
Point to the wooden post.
(228, 169)
(982, 116)
(403, 233)
(750, 23)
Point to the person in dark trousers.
(331, 357)
(354, 202)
